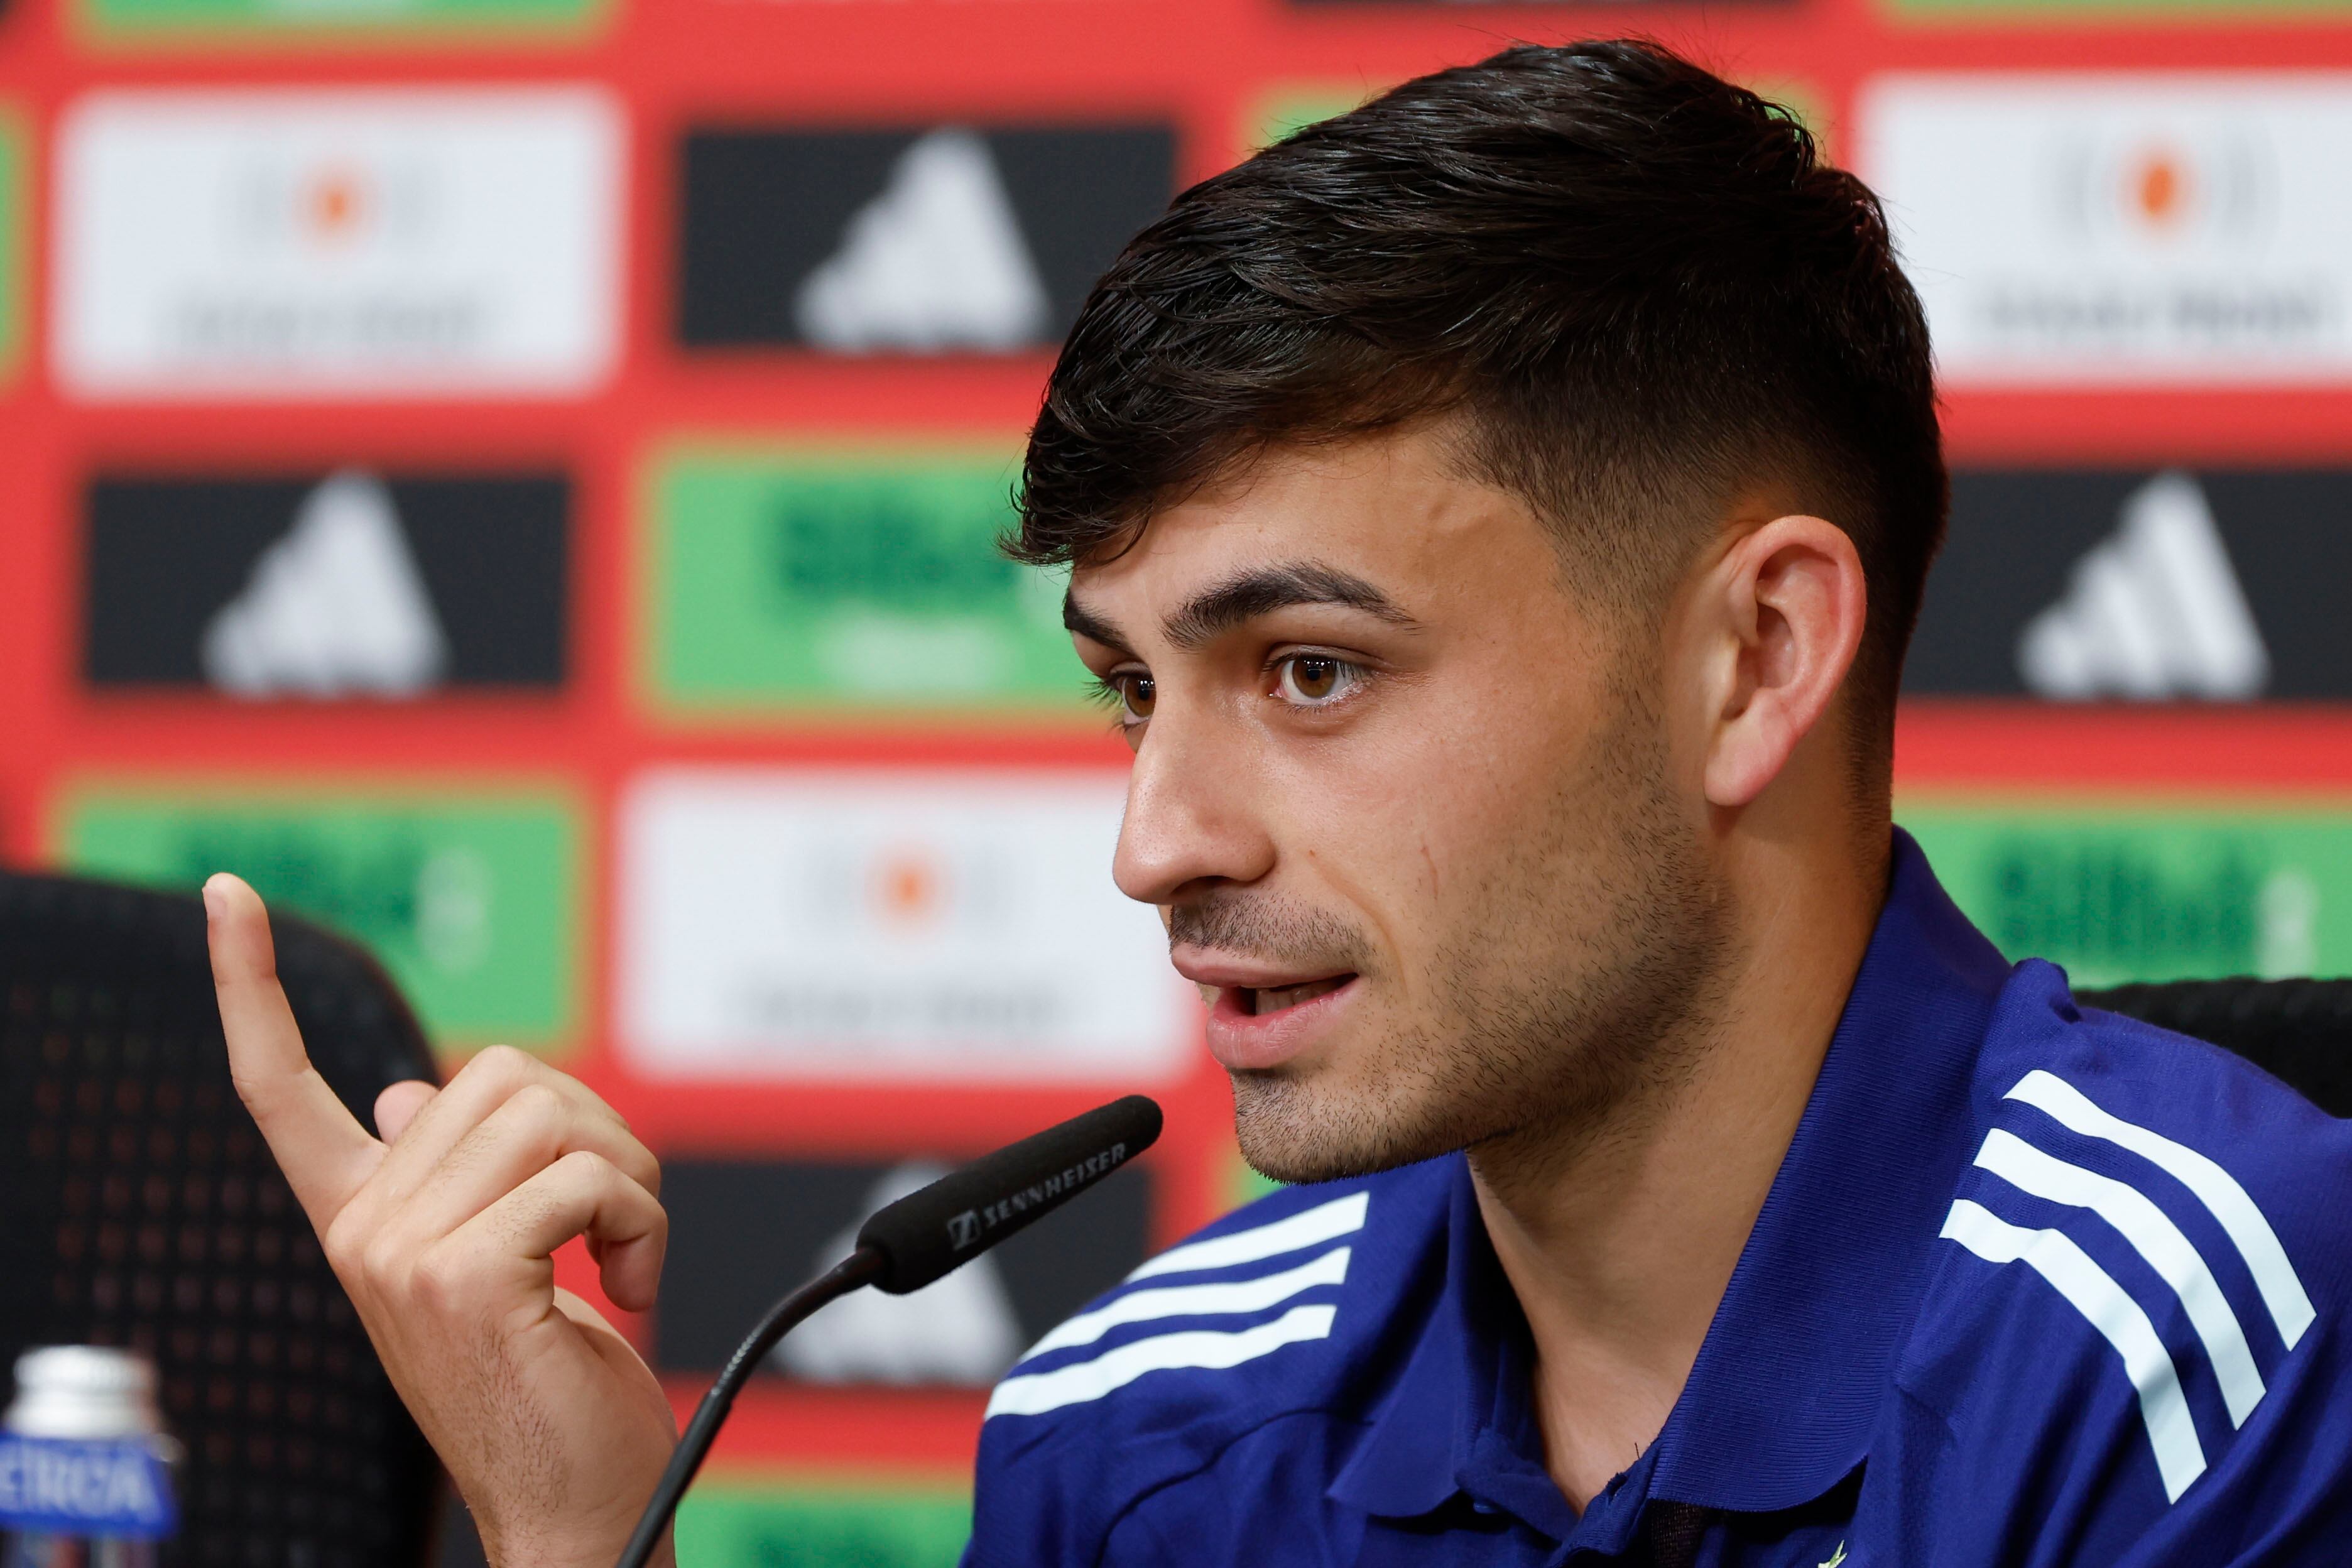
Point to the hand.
(552, 1427)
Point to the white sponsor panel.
(2122, 229)
(367, 242)
(946, 924)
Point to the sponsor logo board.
(801, 577)
(2013, 12)
(736, 1522)
(170, 18)
(2122, 229)
(471, 901)
(1282, 112)
(953, 924)
(964, 1330)
(366, 242)
(2116, 892)
(15, 168)
(344, 585)
(941, 239)
(2123, 585)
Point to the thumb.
(397, 1106)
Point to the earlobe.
(1793, 605)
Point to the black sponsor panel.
(350, 583)
(743, 1232)
(2120, 586)
(946, 239)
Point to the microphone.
(908, 1244)
(948, 1224)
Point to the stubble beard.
(1538, 1045)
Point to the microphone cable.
(906, 1247)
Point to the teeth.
(1273, 999)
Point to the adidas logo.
(936, 261)
(334, 608)
(1107, 1367)
(961, 1330)
(2153, 612)
(2184, 1319)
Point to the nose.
(1193, 815)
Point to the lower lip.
(1247, 1042)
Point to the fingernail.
(216, 902)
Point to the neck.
(1620, 1238)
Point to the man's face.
(1411, 809)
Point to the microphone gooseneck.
(907, 1246)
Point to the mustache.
(1261, 926)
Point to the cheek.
(1398, 828)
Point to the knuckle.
(501, 1066)
(344, 1241)
(383, 1261)
(588, 1168)
(536, 1106)
(442, 1280)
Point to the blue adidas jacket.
(2033, 1286)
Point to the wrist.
(571, 1549)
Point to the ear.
(1780, 617)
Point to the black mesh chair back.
(2299, 1031)
(140, 1207)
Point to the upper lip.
(1230, 971)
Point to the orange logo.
(2158, 190)
(908, 887)
(334, 204)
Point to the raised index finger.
(324, 1152)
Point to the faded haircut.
(1638, 290)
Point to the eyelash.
(1110, 690)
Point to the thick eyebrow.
(1245, 596)
(1085, 622)
(1262, 590)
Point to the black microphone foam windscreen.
(957, 1217)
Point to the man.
(1497, 516)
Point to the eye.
(1316, 680)
(1136, 692)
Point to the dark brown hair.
(1639, 285)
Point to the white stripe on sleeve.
(1306, 1229)
(2163, 1408)
(1041, 1392)
(2156, 1239)
(2218, 1190)
(1196, 1302)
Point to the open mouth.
(1258, 1001)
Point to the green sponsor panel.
(169, 19)
(1243, 1185)
(470, 901)
(736, 1524)
(1288, 110)
(2015, 11)
(2126, 892)
(832, 579)
(15, 160)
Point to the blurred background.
(515, 478)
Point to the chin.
(1298, 1131)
